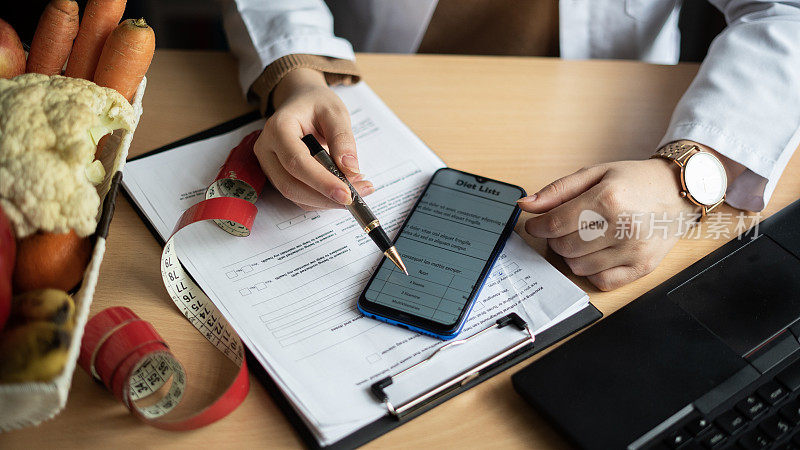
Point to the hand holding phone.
(449, 243)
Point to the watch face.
(705, 178)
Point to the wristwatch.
(703, 177)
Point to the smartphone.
(449, 241)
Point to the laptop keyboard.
(765, 417)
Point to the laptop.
(708, 359)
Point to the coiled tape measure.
(126, 353)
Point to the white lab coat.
(744, 102)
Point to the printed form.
(290, 288)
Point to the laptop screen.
(747, 297)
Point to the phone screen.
(446, 243)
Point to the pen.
(360, 211)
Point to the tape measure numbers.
(126, 353)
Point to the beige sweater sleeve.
(337, 71)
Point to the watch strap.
(676, 151)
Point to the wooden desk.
(524, 120)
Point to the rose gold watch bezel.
(681, 162)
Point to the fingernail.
(369, 190)
(350, 162)
(529, 199)
(356, 177)
(341, 196)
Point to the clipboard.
(470, 377)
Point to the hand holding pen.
(303, 102)
(357, 207)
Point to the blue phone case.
(445, 337)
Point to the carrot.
(101, 144)
(52, 40)
(99, 19)
(126, 56)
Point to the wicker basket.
(27, 404)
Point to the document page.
(290, 288)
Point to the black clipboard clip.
(415, 404)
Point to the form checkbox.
(373, 358)
(231, 275)
(247, 269)
(245, 291)
(261, 286)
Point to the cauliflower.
(49, 128)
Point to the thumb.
(562, 190)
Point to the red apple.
(8, 255)
(5, 300)
(12, 55)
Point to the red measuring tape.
(126, 353)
